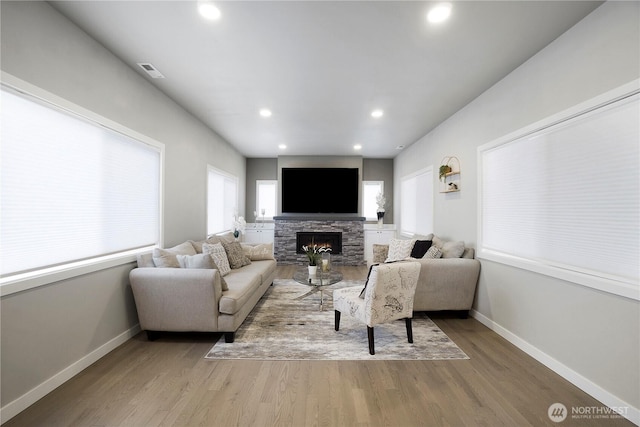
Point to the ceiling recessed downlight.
(282, 146)
(439, 13)
(208, 10)
(265, 112)
(357, 147)
(377, 113)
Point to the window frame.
(43, 276)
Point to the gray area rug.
(282, 327)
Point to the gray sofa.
(193, 299)
(445, 284)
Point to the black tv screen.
(320, 190)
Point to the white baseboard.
(12, 409)
(586, 385)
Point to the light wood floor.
(169, 383)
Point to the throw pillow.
(196, 261)
(201, 261)
(449, 249)
(452, 249)
(219, 256)
(400, 249)
(259, 251)
(420, 248)
(185, 248)
(380, 253)
(164, 258)
(235, 254)
(433, 252)
(145, 260)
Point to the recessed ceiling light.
(357, 147)
(208, 10)
(399, 147)
(265, 112)
(282, 146)
(439, 13)
(377, 113)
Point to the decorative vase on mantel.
(380, 218)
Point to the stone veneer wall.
(352, 239)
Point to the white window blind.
(371, 189)
(71, 189)
(266, 198)
(416, 203)
(567, 197)
(222, 200)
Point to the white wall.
(47, 330)
(591, 337)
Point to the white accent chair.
(388, 295)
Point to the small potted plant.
(443, 171)
(314, 253)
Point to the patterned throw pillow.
(400, 249)
(258, 252)
(219, 256)
(380, 253)
(433, 252)
(235, 254)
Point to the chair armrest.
(176, 299)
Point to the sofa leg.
(229, 337)
(153, 335)
(337, 316)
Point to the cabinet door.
(373, 237)
(259, 236)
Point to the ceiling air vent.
(151, 70)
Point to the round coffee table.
(318, 283)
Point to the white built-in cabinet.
(259, 233)
(373, 235)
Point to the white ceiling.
(321, 67)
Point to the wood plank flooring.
(169, 383)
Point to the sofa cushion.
(235, 254)
(219, 256)
(400, 249)
(243, 282)
(259, 251)
(420, 248)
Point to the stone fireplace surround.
(351, 227)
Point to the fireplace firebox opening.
(331, 240)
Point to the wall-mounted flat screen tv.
(320, 190)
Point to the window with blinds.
(70, 188)
(564, 199)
